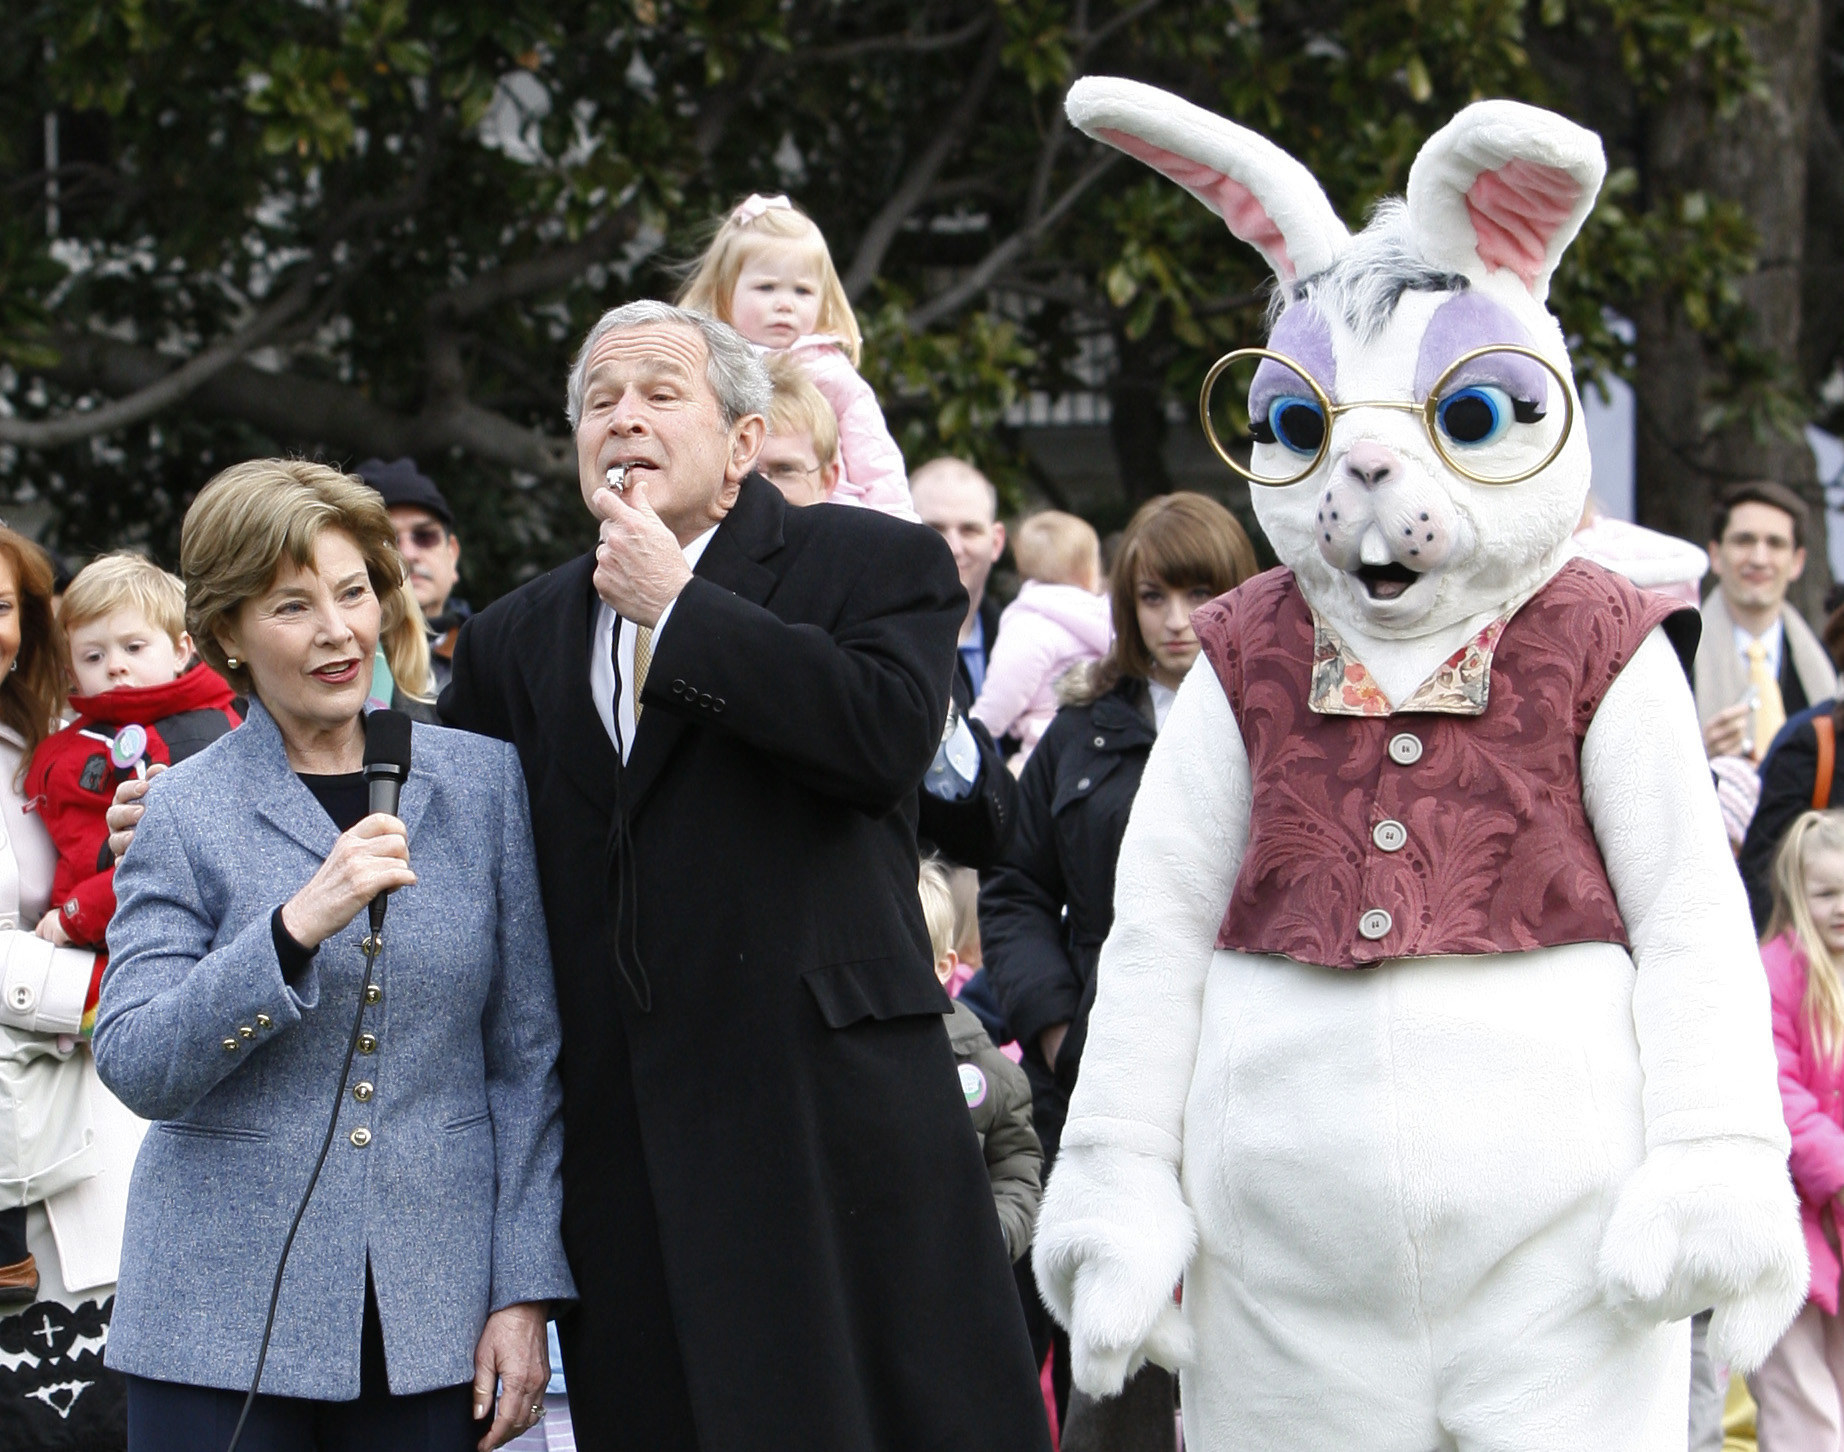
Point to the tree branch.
(1002, 256)
(906, 42)
(168, 387)
(1125, 18)
(878, 236)
(312, 413)
(550, 269)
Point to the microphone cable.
(373, 945)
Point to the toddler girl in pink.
(1057, 621)
(769, 275)
(1800, 1387)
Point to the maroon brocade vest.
(1416, 834)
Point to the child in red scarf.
(141, 698)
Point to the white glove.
(1114, 1238)
(1710, 1223)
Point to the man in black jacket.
(774, 1205)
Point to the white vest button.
(1389, 835)
(1375, 924)
(1405, 748)
(20, 997)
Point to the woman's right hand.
(373, 857)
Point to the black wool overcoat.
(774, 1203)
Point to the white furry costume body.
(1446, 1202)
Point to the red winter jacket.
(71, 780)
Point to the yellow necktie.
(643, 657)
(1764, 690)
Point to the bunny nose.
(1371, 464)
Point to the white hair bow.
(755, 204)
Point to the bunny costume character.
(1431, 1047)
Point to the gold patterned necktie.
(643, 657)
(1764, 691)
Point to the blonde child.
(1058, 620)
(140, 700)
(800, 456)
(1800, 1387)
(769, 275)
(997, 1093)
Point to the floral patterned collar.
(1343, 686)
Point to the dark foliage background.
(379, 226)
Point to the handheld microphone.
(387, 764)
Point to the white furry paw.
(1114, 1237)
(1710, 1223)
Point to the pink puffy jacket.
(1042, 633)
(1812, 1093)
(874, 475)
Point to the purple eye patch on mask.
(1469, 321)
(1303, 335)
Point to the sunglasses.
(423, 536)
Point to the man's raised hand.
(639, 566)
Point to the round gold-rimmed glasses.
(1461, 422)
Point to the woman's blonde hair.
(32, 692)
(756, 223)
(255, 516)
(1824, 999)
(1180, 540)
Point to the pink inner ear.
(1245, 216)
(1516, 210)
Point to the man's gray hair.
(735, 373)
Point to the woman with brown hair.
(243, 978)
(1047, 907)
(67, 1145)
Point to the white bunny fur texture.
(1453, 1202)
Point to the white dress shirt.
(620, 727)
(1162, 698)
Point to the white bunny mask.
(1387, 539)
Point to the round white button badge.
(1375, 924)
(1405, 748)
(1389, 835)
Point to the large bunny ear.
(1266, 197)
(1503, 186)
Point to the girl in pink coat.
(1800, 1387)
(769, 275)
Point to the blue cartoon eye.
(1481, 413)
(1297, 423)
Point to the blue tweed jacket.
(445, 1168)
